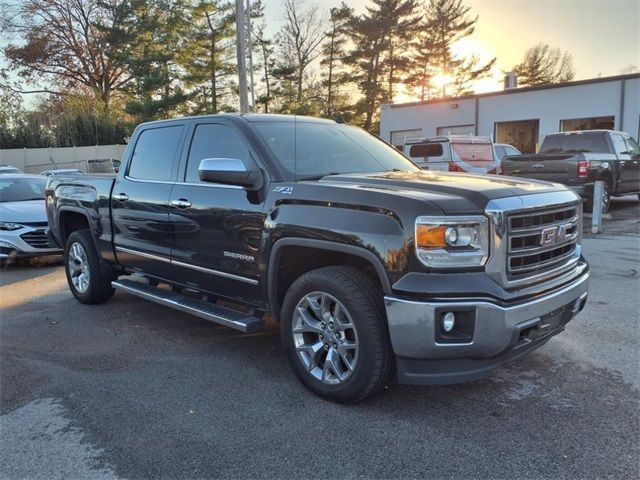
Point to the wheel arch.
(282, 273)
(71, 219)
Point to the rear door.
(217, 227)
(140, 200)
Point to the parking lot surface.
(130, 389)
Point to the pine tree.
(449, 21)
(543, 65)
(207, 53)
(155, 30)
(333, 53)
(374, 35)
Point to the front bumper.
(26, 242)
(498, 333)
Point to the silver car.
(23, 218)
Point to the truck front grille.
(37, 239)
(541, 240)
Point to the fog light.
(448, 321)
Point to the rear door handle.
(181, 203)
(121, 197)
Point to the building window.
(592, 123)
(522, 134)
(456, 130)
(399, 137)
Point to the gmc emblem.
(554, 235)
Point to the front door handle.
(181, 203)
(121, 197)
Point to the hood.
(30, 211)
(452, 192)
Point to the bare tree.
(63, 44)
(302, 34)
(543, 64)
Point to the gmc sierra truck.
(578, 159)
(372, 266)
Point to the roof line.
(518, 90)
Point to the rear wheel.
(86, 276)
(606, 200)
(334, 331)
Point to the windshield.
(310, 150)
(22, 189)
(575, 143)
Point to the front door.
(142, 233)
(634, 168)
(217, 227)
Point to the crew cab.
(372, 266)
(453, 153)
(578, 159)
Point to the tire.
(351, 298)
(606, 198)
(606, 201)
(86, 276)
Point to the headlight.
(452, 242)
(10, 226)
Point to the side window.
(426, 150)
(500, 151)
(633, 148)
(214, 140)
(154, 153)
(512, 151)
(619, 145)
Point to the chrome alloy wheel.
(325, 338)
(78, 267)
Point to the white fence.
(36, 160)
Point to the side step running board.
(224, 316)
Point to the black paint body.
(245, 237)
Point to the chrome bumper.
(498, 333)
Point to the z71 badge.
(283, 190)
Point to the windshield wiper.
(317, 176)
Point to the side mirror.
(229, 171)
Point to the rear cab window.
(593, 142)
(154, 153)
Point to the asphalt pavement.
(130, 389)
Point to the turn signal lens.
(431, 236)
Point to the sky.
(602, 35)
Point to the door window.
(154, 153)
(214, 140)
(619, 145)
(632, 147)
(511, 151)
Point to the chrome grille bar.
(541, 239)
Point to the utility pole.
(250, 42)
(242, 67)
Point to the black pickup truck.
(578, 159)
(371, 266)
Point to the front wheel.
(334, 332)
(86, 275)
